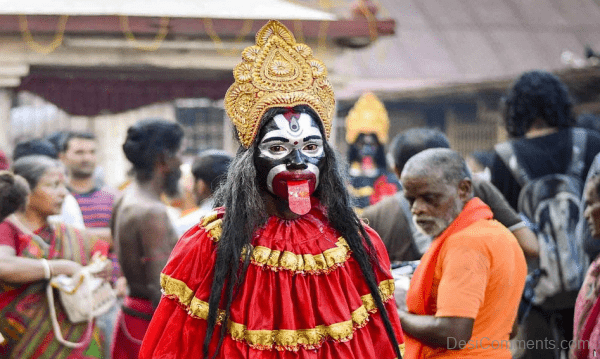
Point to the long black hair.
(537, 94)
(245, 212)
(355, 156)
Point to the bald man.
(463, 298)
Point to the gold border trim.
(276, 260)
(311, 338)
(302, 263)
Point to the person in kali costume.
(284, 269)
(367, 127)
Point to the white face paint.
(296, 134)
(292, 146)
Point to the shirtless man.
(144, 235)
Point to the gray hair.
(32, 168)
(426, 163)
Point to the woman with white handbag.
(34, 251)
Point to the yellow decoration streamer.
(246, 28)
(322, 37)
(370, 20)
(43, 49)
(160, 36)
(298, 31)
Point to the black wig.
(354, 152)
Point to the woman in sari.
(586, 328)
(32, 250)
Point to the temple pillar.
(6, 95)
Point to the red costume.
(303, 296)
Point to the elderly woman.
(32, 251)
(586, 327)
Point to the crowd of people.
(286, 249)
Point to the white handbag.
(83, 298)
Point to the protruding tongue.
(298, 196)
(367, 163)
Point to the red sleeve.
(102, 247)
(9, 235)
(174, 332)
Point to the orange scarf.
(418, 298)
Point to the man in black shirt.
(538, 117)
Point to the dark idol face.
(290, 150)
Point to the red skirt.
(132, 322)
(303, 297)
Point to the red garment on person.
(130, 329)
(303, 296)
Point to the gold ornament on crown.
(277, 72)
(367, 116)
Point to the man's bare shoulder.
(134, 206)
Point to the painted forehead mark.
(298, 125)
(292, 119)
(290, 114)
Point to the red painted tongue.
(367, 163)
(298, 196)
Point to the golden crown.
(277, 72)
(367, 116)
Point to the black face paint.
(290, 157)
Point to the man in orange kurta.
(464, 296)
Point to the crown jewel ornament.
(367, 116)
(277, 72)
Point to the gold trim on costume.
(212, 225)
(361, 192)
(311, 338)
(276, 260)
(277, 72)
(367, 116)
(302, 263)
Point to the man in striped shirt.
(78, 153)
(96, 203)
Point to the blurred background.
(100, 66)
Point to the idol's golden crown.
(367, 116)
(277, 72)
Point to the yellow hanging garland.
(298, 30)
(160, 36)
(43, 49)
(372, 22)
(246, 29)
(322, 37)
